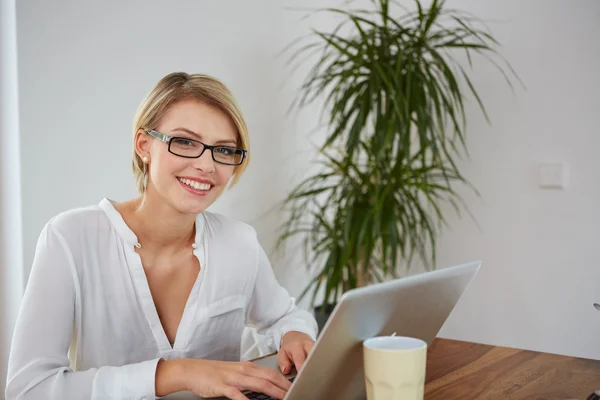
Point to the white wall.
(84, 68)
(11, 262)
(540, 274)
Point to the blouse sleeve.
(39, 364)
(272, 311)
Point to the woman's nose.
(205, 162)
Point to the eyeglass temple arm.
(158, 135)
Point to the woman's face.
(189, 185)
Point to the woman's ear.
(142, 144)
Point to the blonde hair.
(180, 86)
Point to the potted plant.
(395, 96)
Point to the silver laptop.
(415, 306)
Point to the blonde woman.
(147, 297)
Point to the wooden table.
(464, 371)
(468, 371)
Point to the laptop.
(415, 306)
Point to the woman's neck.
(159, 226)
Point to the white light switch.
(553, 175)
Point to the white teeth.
(195, 185)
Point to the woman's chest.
(170, 282)
(194, 310)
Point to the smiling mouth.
(195, 185)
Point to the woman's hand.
(208, 378)
(295, 347)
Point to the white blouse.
(88, 327)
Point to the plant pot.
(323, 314)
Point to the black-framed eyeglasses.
(190, 148)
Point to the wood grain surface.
(463, 371)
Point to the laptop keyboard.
(262, 396)
(259, 396)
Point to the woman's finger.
(267, 374)
(233, 393)
(284, 361)
(308, 346)
(274, 377)
(261, 385)
(298, 356)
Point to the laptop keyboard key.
(259, 396)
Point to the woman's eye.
(226, 151)
(185, 142)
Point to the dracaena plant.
(394, 84)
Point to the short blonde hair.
(180, 86)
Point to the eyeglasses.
(190, 148)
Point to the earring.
(145, 172)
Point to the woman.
(149, 296)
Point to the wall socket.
(553, 175)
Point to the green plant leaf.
(394, 95)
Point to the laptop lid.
(415, 306)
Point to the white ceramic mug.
(395, 368)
